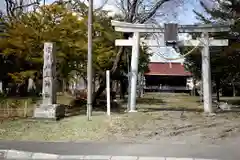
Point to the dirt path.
(166, 122)
(192, 128)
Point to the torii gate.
(204, 42)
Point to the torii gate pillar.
(134, 71)
(206, 74)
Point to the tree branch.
(153, 10)
(16, 7)
(133, 10)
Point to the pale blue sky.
(2, 5)
(185, 14)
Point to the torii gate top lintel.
(132, 27)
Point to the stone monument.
(49, 109)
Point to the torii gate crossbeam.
(152, 28)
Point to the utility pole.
(89, 62)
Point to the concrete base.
(54, 111)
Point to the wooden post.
(25, 108)
(8, 109)
(108, 92)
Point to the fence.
(24, 108)
(16, 109)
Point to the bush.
(81, 94)
(78, 102)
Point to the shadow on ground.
(233, 110)
(232, 101)
(79, 107)
(149, 101)
(152, 109)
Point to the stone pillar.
(206, 75)
(134, 71)
(49, 75)
(49, 108)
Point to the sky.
(185, 15)
(2, 4)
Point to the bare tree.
(140, 11)
(14, 8)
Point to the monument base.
(54, 111)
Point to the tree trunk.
(130, 17)
(233, 89)
(94, 84)
(123, 89)
(101, 88)
(142, 86)
(194, 87)
(63, 86)
(218, 89)
(112, 74)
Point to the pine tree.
(224, 61)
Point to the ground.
(16, 107)
(175, 118)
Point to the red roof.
(167, 69)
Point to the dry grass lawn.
(164, 117)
